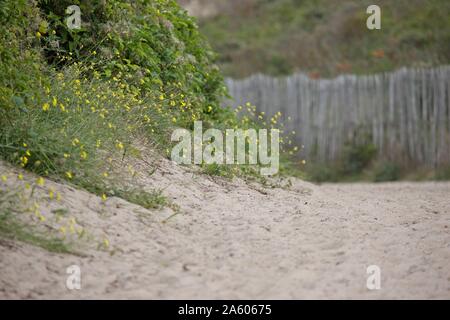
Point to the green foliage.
(11, 228)
(73, 101)
(327, 37)
(148, 200)
(155, 44)
(20, 68)
(387, 172)
(219, 170)
(323, 173)
(80, 105)
(443, 174)
(357, 156)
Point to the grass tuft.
(11, 228)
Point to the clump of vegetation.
(148, 200)
(443, 174)
(357, 156)
(73, 97)
(323, 173)
(387, 171)
(74, 101)
(220, 170)
(11, 228)
(12, 205)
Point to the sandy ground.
(232, 240)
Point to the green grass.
(219, 170)
(14, 228)
(11, 228)
(149, 200)
(376, 171)
(73, 112)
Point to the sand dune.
(235, 240)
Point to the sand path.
(233, 240)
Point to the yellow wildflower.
(119, 145)
(75, 142)
(51, 193)
(24, 161)
(62, 230)
(40, 181)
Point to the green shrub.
(443, 174)
(322, 173)
(386, 172)
(155, 45)
(357, 156)
(134, 67)
(73, 102)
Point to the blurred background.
(363, 104)
(326, 37)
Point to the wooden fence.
(405, 114)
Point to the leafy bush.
(443, 174)
(74, 101)
(357, 156)
(386, 172)
(322, 173)
(79, 105)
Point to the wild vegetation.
(78, 105)
(324, 37)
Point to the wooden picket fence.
(405, 114)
